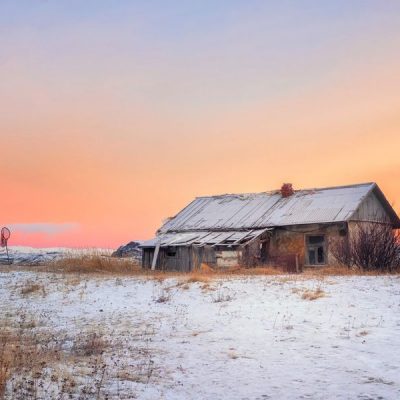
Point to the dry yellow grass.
(313, 294)
(21, 352)
(31, 288)
(185, 286)
(28, 359)
(340, 270)
(205, 268)
(89, 344)
(206, 287)
(96, 262)
(264, 270)
(93, 262)
(71, 280)
(198, 277)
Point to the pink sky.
(112, 120)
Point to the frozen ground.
(233, 338)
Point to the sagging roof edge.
(252, 234)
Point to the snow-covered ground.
(232, 338)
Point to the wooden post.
(154, 262)
(297, 263)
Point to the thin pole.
(5, 235)
(157, 249)
(8, 257)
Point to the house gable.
(375, 208)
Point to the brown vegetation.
(42, 364)
(24, 358)
(195, 277)
(93, 262)
(89, 344)
(313, 294)
(371, 247)
(31, 288)
(341, 270)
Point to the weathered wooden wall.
(147, 257)
(292, 240)
(188, 258)
(215, 257)
(370, 209)
(177, 258)
(281, 245)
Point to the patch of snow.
(261, 341)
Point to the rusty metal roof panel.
(269, 209)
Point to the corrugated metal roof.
(203, 238)
(269, 209)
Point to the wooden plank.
(153, 264)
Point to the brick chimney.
(287, 190)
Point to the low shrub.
(370, 247)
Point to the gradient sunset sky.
(115, 114)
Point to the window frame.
(324, 246)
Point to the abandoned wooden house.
(292, 228)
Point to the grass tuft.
(313, 294)
(89, 344)
(32, 288)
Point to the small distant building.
(292, 228)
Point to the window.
(171, 252)
(316, 250)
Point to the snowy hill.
(23, 255)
